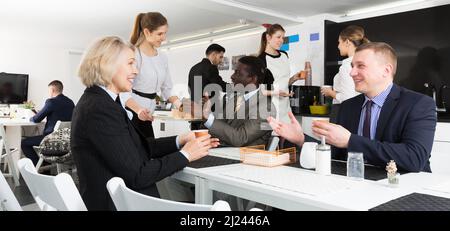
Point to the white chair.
(59, 124)
(126, 199)
(51, 192)
(7, 155)
(8, 201)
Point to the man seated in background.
(386, 122)
(57, 107)
(243, 120)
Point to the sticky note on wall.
(314, 37)
(284, 47)
(294, 38)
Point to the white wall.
(45, 55)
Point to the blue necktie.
(367, 118)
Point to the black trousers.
(145, 127)
(27, 147)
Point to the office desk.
(13, 130)
(323, 192)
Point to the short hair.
(381, 49)
(57, 85)
(99, 62)
(214, 48)
(257, 67)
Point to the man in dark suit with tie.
(57, 107)
(386, 122)
(105, 143)
(205, 73)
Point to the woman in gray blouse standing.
(149, 32)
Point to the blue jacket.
(57, 108)
(405, 130)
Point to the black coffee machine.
(304, 97)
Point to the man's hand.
(144, 114)
(292, 131)
(199, 147)
(327, 91)
(335, 135)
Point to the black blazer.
(210, 75)
(405, 130)
(105, 144)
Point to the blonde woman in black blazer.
(105, 143)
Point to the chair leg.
(58, 168)
(39, 163)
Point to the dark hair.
(256, 67)
(381, 49)
(57, 85)
(150, 21)
(214, 48)
(354, 34)
(270, 31)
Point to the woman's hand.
(199, 147)
(327, 91)
(144, 114)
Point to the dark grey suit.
(251, 128)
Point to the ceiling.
(185, 16)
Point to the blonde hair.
(354, 34)
(382, 50)
(150, 21)
(99, 62)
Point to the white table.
(356, 195)
(13, 129)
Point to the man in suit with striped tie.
(242, 122)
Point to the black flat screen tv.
(13, 88)
(421, 39)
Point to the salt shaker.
(323, 158)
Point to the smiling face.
(125, 73)
(371, 72)
(156, 37)
(242, 75)
(275, 40)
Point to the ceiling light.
(189, 37)
(238, 35)
(230, 28)
(382, 7)
(188, 45)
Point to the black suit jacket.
(57, 108)
(209, 74)
(405, 130)
(105, 144)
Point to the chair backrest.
(8, 201)
(51, 192)
(126, 199)
(62, 124)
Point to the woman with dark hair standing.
(343, 86)
(149, 32)
(277, 62)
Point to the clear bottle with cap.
(323, 158)
(308, 79)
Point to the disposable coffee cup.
(200, 133)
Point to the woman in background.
(149, 32)
(344, 87)
(277, 62)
